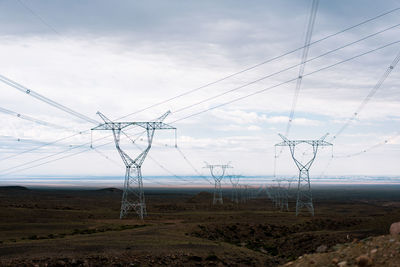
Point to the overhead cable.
(237, 73)
(29, 118)
(268, 88)
(310, 28)
(262, 63)
(44, 99)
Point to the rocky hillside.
(376, 251)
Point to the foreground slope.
(183, 228)
(373, 251)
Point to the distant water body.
(184, 181)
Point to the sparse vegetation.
(191, 233)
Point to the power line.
(104, 155)
(158, 163)
(211, 98)
(384, 142)
(57, 159)
(370, 94)
(262, 63)
(259, 91)
(285, 69)
(52, 155)
(162, 167)
(285, 82)
(191, 165)
(365, 101)
(44, 99)
(90, 144)
(310, 28)
(38, 147)
(29, 91)
(217, 81)
(28, 118)
(38, 16)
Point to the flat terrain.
(40, 227)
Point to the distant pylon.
(133, 195)
(217, 178)
(244, 193)
(235, 181)
(304, 195)
(284, 195)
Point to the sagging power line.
(232, 75)
(263, 63)
(307, 41)
(278, 85)
(46, 100)
(37, 121)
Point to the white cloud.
(126, 65)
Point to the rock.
(373, 251)
(61, 263)
(364, 260)
(342, 264)
(395, 228)
(322, 249)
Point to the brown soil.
(81, 228)
(377, 251)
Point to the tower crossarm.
(113, 126)
(310, 142)
(156, 125)
(122, 125)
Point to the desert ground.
(81, 227)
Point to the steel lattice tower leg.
(235, 194)
(304, 195)
(283, 196)
(217, 193)
(235, 197)
(133, 195)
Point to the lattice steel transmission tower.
(235, 182)
(133, 195)
(218, 176)
(282, 195)
(304, 195)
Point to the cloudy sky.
(120, 57)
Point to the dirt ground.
(372, 251)
(81, 227)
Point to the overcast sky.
(119, 57)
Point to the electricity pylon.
(244, 193)
(282, 195)
(304, 195)
(235, 181)
(217, 178)
(242, 196)
(133, 195)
